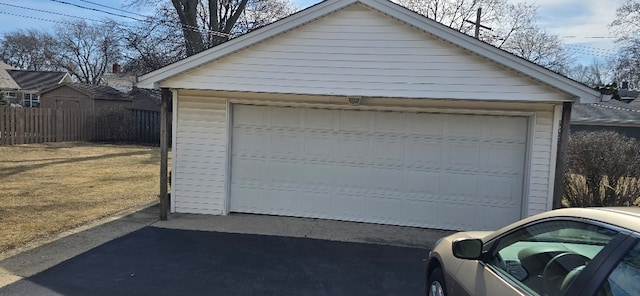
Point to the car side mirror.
(467, 248)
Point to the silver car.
(576, 251)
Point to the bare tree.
(85, 50)
(207, 23)
(597, 73)
(627, 23)
(28, 49)
(539, 47)
(151, 47)
(627, 27)
(513, 27)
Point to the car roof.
(623, 217)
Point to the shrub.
(3, 100)
(603, 169)
(113, 125)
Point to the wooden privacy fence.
(146, 126)
(38, 125)
(35, 125)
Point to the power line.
(589, 37)
(114, 8)
(51, 12)
(147, 20)
(99, 10)
(35, 18)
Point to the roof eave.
(576, 90)
(155, 78)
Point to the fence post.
(3, 132)
(59, 134)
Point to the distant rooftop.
(98, 91)
(36, 80)
(613, 112)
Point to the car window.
(624, 280)
(546, 257)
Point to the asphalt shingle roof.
(606, 112)
(36, 80)
(100, 91)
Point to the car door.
(541, 258)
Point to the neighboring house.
(80, 96)
(362, 110)
(123, 82)
(613, 115)
(22, 86)
(6, 82)
(628, 95)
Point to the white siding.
(359, 52)
(540, 163)
(200, 152)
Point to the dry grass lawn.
(48, 188)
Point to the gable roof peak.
(403, 15)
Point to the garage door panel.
(503, 157)
(357, 121)
(502, 128)
(463, 155)
(250, 169)
(320, 174)
(250, 115)
(286, 117)
(352, 176)
(386, 178)
(285, 144)
(418, 169)
(320, 145)
(425, 152)
(500, 189)
(353, 148)
(459, 184)
(427, 124)
(320, 119)
(390, 122)
(249, 141)
(389, 149)
(458, 215)
(465, 126)
(421, 182)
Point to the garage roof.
(576, 90)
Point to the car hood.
(470, 234)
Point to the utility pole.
(477, 23)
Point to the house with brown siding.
(80, 96)
(22, 86)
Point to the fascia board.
(557, 81)
(153, 79)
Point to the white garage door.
(434, 170)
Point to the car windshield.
(578, 236)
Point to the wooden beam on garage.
(164, 149)
(561, 158)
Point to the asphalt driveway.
(161, 261)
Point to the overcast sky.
(582, 24)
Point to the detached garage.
(361, 110)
